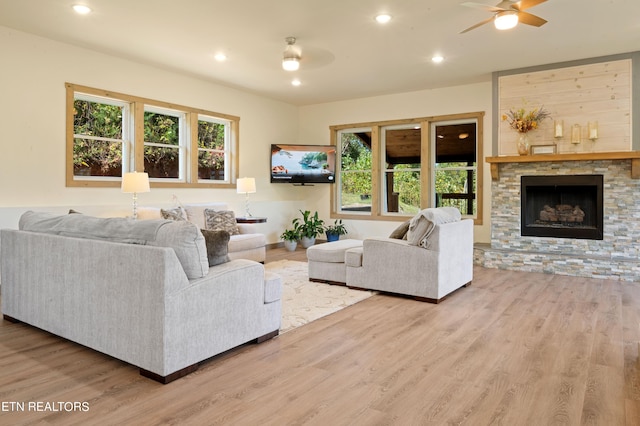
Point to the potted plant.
(291, 237)
(334, 231)
(310, 227)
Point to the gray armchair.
(428, 274)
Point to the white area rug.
(304, 301)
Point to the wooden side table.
(251, 219)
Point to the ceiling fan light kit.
(291, 56)
(507, 14)
(505, 20)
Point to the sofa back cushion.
(183, 237)
(195, 212)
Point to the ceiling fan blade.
(526, 4)
(529, 19)
(483, 7)
(477, 25)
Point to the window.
(213, 151)
(355, 175)
(455, 160)
(394, 169)
(109, 134)
(164, 144)
(401, 165)
(99, 135)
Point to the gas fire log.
(562, 213)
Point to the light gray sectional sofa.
(140, 291)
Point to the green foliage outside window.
(356, 166)
(211, 144)
(97, 157)
(161, 162)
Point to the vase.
(290, 245)
(523, 144)
(332, 237)
(307, 242)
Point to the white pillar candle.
(593, 130)
(558, 128)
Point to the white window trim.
(182, 146)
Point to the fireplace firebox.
(562, 206)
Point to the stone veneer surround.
(617, 256)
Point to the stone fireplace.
(614, 255)
(561, 206)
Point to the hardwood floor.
(514, 348)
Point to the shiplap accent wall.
(599, 92)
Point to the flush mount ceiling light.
(291, 56)
(383, 18)
(505, 20)
(81, 9)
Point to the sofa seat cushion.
(184, 238)
(332, 252)
(243, 242)
(353, 257)
(272, 287)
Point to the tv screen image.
(303, 163)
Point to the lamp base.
(247, 213)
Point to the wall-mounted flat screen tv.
(303, 164)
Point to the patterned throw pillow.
(177, 213)
(221, 220)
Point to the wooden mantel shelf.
(634, 156)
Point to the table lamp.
(133, 183)
(247, 186)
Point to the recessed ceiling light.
(383, 18)
(220, 57)
(437, 59)
(296, 82)
(81, 9)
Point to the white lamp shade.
(135, 182)
(290, 64)
(246, 185)
(506, 20)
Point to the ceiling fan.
(507, 14)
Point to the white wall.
(32, 131)
(32, 141)
(316, 119)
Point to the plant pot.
(307, 242)
(290, 245)
(332, 237)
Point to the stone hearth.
(616, 256)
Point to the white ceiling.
(345, 53)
